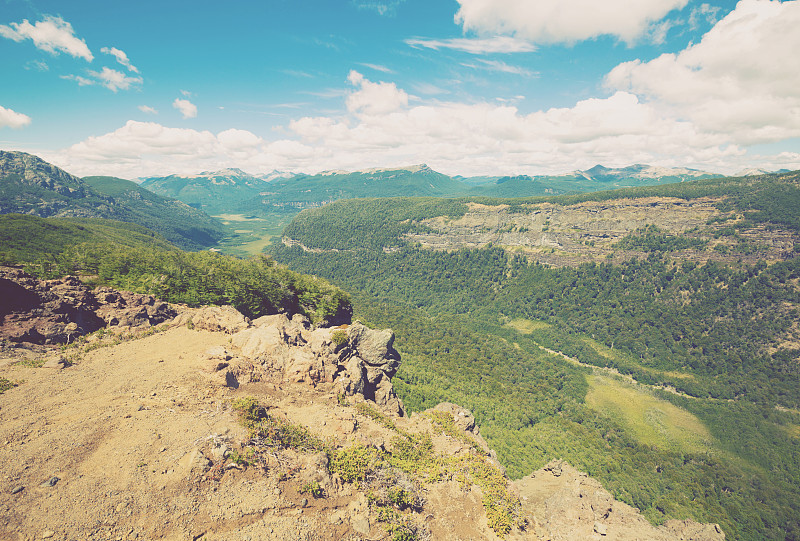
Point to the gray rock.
(50, 482)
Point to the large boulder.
(357, 359)
(225, 319)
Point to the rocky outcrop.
(58, 311)
(356, 359)
(563, 504)
(225, 319)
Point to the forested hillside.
(133, 258)
(29, 185)
(680, 385)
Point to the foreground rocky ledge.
(139, 439)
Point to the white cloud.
(385, 7)
(147, 109)
(52, 34)
(121, 57)
(111, 79)
(563, 21)
(703, 12)
(497, 44)
(12, 119)
(376, 67)
(187, 108)
(114, 80)
(374, 98)
(499, 66)
(82, 81)
(384, 126)
(739, 80)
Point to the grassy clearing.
(651, 420)
(527, 326)
(260, 232)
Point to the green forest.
(701, 340)
(130, 257)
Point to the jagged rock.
(123, 308)
(214, 318)
(374, 347)
(362, 365)
(462, 416)
(45, 311)
(58, 311)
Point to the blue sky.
(467, 86)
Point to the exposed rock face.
(359, 360)
(564, 504)
(561, 235)
(214, 318)
(58, 311)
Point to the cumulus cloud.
(374, 98)
(187, 108)
(740, 79)
(563, 21)
(52, 34)
(13, 119)
(497, 44)
(383, 125)
(121, 57)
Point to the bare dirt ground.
(121, 431)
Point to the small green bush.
(5, 385)
(354, 463)
(313, 488)
(339, 337)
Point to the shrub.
(339, 337)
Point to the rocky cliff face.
(573, 234)
(217, 427)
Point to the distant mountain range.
(29, 185)
(233, 190)
(211, 191)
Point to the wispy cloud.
(52, 34)
(498, 44)
(114, 80)
(109, 78)
(37, 65)
(429, 89)
(121, 57)
(385, 7)
(298, 73)
(376, 67)
(82, 81)
(147, 109)
(186, 108)
(497, 65)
